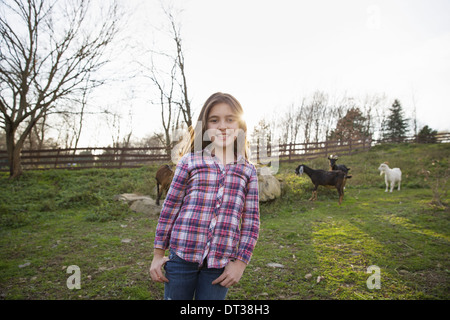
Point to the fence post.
(56, 159)
(121, 157)
(290, 151)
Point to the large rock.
(139, 203)
(269, 186)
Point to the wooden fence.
(83, 158)
(305, 151)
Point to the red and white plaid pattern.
(210, 210)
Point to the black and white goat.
(334, 166)
(324, 178)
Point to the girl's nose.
(222, 124)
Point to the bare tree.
(308, 121)
(114, 121)
(167, 72)
(175, 33)
(47, 54)
(262, 139)
(318, 108)
(372, 107)
(166, 99)
(290, 122)
(83, 103)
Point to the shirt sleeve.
(250, 220)
(172, 204)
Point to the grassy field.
(50, 220)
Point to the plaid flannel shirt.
(211, 211)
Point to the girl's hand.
(156, 272)
(232, 274)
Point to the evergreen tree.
(395, 126)
(427, 135)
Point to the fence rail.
(84, 158)
(297, 151)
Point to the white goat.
(390, 176)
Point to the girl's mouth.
(223, 136)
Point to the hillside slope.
(422, 166)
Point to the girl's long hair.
(198, 140)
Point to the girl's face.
(222, 125)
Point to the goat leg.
(340, 190)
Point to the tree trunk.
(14, 159)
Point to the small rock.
(24, 265)
(126, 240)
(320, 278)
(275, 265)
(139, 203)
(308, 276)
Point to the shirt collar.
(240, 158)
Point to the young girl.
(210, 217)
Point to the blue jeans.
(187, 279)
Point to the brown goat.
(164, 177)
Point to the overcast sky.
(269, 54)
